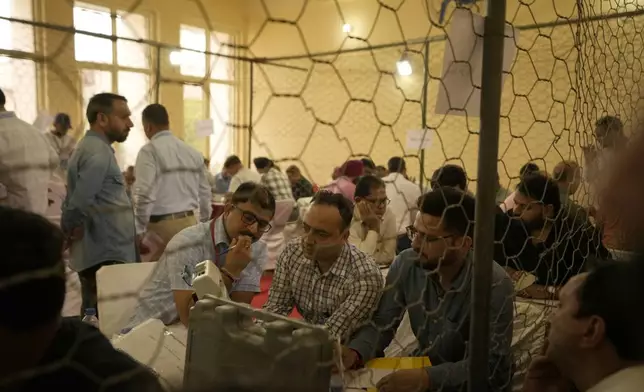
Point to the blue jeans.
(89, 291)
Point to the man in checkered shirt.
(273, 179)
(330, 282)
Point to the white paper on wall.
(419, 139)
(43, 121)
(460, 91)
(204, 128)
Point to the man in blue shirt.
(97, 213)
(432, 282)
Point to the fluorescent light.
(403, 66)
(346, 28)
(176, 58)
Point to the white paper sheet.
(462, 64)
(43, 121)
(419, 139)
(204, 128)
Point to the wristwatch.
(228, 275)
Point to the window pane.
(222, 67)
(16, 36)
(94, 82)
(94, 20)
(132, 54)
(18, 82)
(135, 87)
(192, 63)
(220, 112)
(193, 111)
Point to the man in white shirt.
(61, 142)
(26, 163)
(595, 341)
(403, 195)
(239, 173)
(373, 227)
(170, 182)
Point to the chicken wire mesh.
(316, 109)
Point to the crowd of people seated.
(363, 220)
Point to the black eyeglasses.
(249, 219)
(412, 233)
(379, 202)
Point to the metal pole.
(491, 88)
(423, 114)
(251, 80)
(157, 73)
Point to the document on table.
(365, 378)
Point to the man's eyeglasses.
(379, 202)
(412, 233)
(249, 219)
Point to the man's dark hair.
(3, 98)
(344, 205)
(610, 123)
(396, 165)
(542, 189)
(613, 291)
(32, 272)
(156, 114)
(293, 170)
(454, 206)
(256, 194)
(101, 103)
(232, 161)
(528, 168)
(449, 175)
(262, 163)
(366, 185)
(368, 163)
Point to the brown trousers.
(166, 229)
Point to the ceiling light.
(346, 28)
(403, 66)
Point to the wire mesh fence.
(283, 90)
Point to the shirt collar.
(7, 114)
(338, 268)
(100, 136)
(161, 133)
(221, 238)
(624, 379)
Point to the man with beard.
(230, 241)
(555, 246)
(595, 341)
(432, 282)
(97, 214)
(330, 282)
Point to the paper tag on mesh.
(419, 139)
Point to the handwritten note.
(460, 90)
(419, 139)
(204, 128)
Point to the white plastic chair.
(118, 289)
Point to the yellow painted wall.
(352, 104)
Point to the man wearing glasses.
(329, 281)
(230, 241)
(432, 282)
(373, 228)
